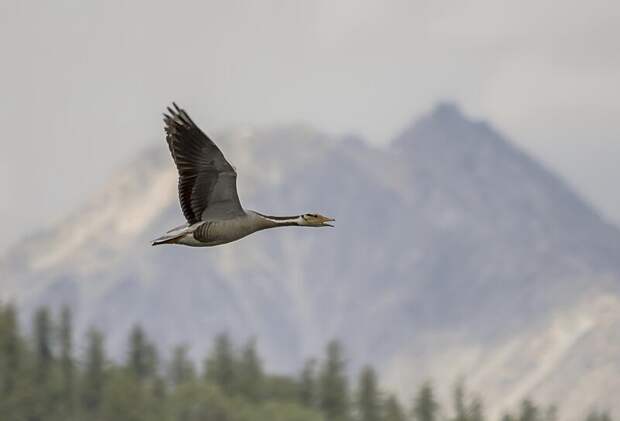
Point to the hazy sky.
(83, 84)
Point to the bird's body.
(216, 232)
(208, 192)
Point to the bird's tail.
(166, 239)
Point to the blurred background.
(468, 150)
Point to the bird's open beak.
(325, 222)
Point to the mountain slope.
(454, 254)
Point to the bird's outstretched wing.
(207, 181)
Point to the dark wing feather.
(207, 182)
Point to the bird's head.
(315, 220)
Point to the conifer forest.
(44, 377)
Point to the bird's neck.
(279, 221)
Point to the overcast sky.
(84, 83)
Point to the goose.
(208, 191)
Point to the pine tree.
(333, 392)
(476, 410)
(460, 406)
(43, 344)
(368, 401)
(392, 410)
(464, 409)
(66, 359)
(181, 367)
(93, 380)
(142, 356)
(425, 407)
(307, 385)
(220, 365)
(529, 411)
(250, 375)
(10, 350)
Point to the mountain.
(455, 254)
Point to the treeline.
(42, 379)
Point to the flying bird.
(208, 191)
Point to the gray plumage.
(208, 191)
